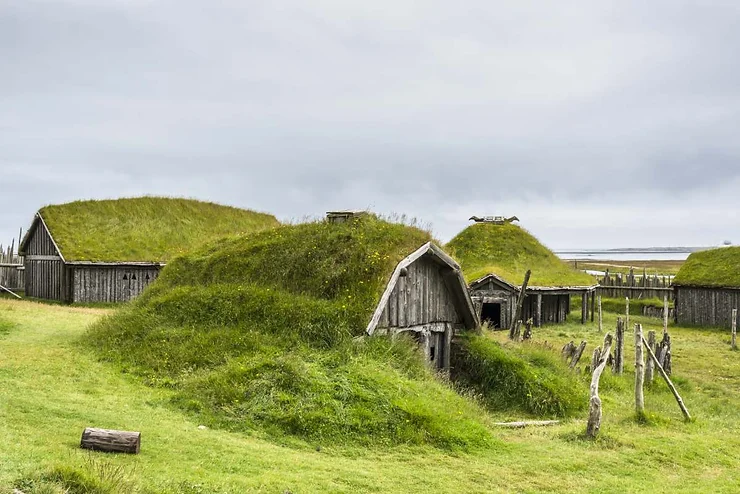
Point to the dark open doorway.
(491, 313)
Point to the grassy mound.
(526, 377)
(509, 251)
(716, 267)
(144, 229)
(256, 332)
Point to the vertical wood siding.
(709, 307)
(110, 283)
(44, 278)
(421, 297)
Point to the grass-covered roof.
(345, 265)
(509, 251)
(715, 267)
(152, 229)
(256, 332)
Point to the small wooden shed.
(427, 297)
(496, 255)
(707, 288)
(495, 300)
(94, 251)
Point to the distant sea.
(649, 254)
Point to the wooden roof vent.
(343, 216)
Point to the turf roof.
(345, 265)
(715, 267)
(508, 251)
(152, 229)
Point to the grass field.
(661, 267)
(51, 388)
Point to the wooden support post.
(649, 366)
(639, 371)
(733, 342)
(538, 312)
(664, 353)
(593, 303)
(619, 348)
(601, 317)
(665, 314)
(584, 307)
(111, 441)
(594, 403)
(627, 312)
(667, 380)
(519, 304)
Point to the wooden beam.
(519, 304)
(639, 371)
(667, 380)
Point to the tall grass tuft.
(526, 377)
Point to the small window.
(125, 277)
(133, 276)
(147, 277)
(432, 353)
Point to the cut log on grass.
(594, 408)
(111, 441)
(577, 354)
(667, 380)
(639, 371)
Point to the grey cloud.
(432, 109)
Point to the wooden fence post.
(593, 302)
(627, 312)
(520, 302)
(665, 314)
(601, 319)
(684, 410)
(734, 329)
(618, 365)
(649, 366)
(584, 307)
(639, 372)
(594, 404)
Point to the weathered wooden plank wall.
(110, 283)
(618, 285)
(45, 276)
(11, 268)
(710, 307)
(420, 297)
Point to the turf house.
(707, 288)
(111, 250)
(495, 258)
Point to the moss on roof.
(152, 229)
(716, 267)
(508, 251)
(255, 332)
(345, 265)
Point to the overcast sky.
(599, 124)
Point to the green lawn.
(50, 389)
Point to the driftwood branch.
(684, 410)
(594, 410)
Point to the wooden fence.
(12, 274)
(618, 285)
